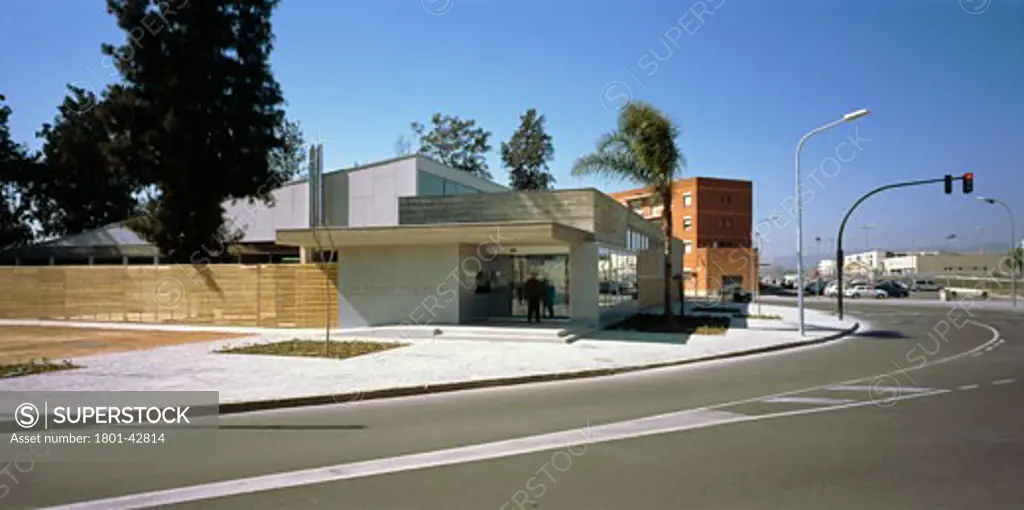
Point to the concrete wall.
(588, 210)
(583, 283)
(374, 192)
(408, 284)
(261, 222)
(336, 203)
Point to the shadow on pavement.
(291, 427)
(881, 335)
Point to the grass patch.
(314, 348)
(34, 367)
(655, 323)
(763, 317)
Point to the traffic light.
(949, 184)
(968, 183)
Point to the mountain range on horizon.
(811, 260)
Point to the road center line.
(808, 400)
(1002, 382)
(968, 387)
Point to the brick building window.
(687, 200)
(687, 223)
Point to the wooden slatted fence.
(269, 295)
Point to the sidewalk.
(423, 366)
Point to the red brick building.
(713, 220)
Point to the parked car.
(925, 285)
(629, 289)
(831, 290)
(737, 293)
(858, 291)
(816, 288)
(893, 289)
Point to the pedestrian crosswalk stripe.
(880, 389)
(808, 400)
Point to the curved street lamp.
(1013, 245)
(849, 117)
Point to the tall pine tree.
(204, 112)
(527, 153)
(76, 188)
(14, 165)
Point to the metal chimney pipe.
(321, 186)
(314, 194)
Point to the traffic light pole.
(842, 228)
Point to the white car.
(925, 286)
(831, 290)
(865, 291)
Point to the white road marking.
(808, 400)
(968, 387)
(1002, 382)
(879, 389)
(705, 417)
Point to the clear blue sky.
(945, 87)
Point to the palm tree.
(642, 150)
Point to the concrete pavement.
(425, 364)
(957, 446)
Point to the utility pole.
(867, 236)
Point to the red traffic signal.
(968, 183)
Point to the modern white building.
(418, 243)
(827, 268)
(865, 264)
(361, 196)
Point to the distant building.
(712, 218)
(947, 263)
(827, 268)
(865, 264)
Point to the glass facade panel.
(428, 184)
(617, 276)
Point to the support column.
(305, 255)
(583, 283)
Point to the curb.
(408, 391)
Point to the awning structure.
(534, 233)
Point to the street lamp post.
(1013, 245)
(849, 117)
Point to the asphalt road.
(944, 429)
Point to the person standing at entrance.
(549, 298)
(534, 291)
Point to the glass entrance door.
(554, 269)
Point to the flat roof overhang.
(525, 232)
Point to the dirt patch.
(20, 344)
(315, 349)
(655, 323)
